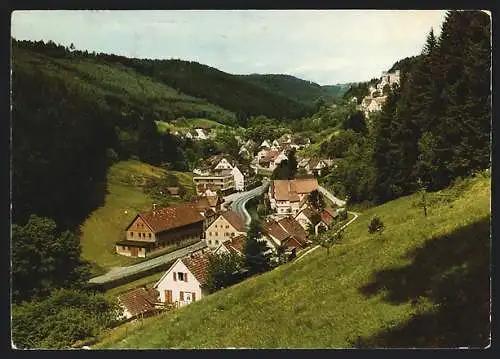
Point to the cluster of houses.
(223, 231)
(376, 98)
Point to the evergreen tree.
(149, 149)
(256, 258)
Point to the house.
(287, 232)
(213, 202)
(222, 164)
(302, 163)
(265, 144)
(139, 303)
(275, 145)
(200, 134)
(245, 152)
(154, 230)
(268, 161)
(280, 157)
(234, 245)
(184, 282)
(227, 225)
(310, 218)
(315, 166)
(239, 179)
(222, 180)
(288, 196)
(262, 153)
(329, 215)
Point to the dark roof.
(140, 300)
(235, 220)
(312, 215)
(294, 229)
(166, 218)
(272, 228)
(198, 265)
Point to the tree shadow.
(452, 272)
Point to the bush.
(376, 225)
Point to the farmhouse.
(315, 166)
(183, 283)
(156, 229)
(228, 225)
(288, 196)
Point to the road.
(331, 197)
(239, 200)
(121, 272)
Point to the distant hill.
(295, 88)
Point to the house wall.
(222, 250)
(239, 179)
(220, 231)
(139, 231)
(303, 220)
(167, 283)
(280, 158)
(126, 251)
(178, 235)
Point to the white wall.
(223, 165)
(217, 232)
(239, 179)
(168, 283)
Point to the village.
(294, 218)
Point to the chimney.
(289, 186)
(154, 209)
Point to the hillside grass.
(424, 282)
(123, 201)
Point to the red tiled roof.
(288, 190)
(140, 300)
(294, 229)
(274, 229)
(235, 220)
(180, 215)
(236, 244)
(198, 265)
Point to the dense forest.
(300, 90)
(434, 128)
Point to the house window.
(232, 234)
(216, 241)
(131, 234)
(216, 233)
(210, 233)
(149, 234)
(209, 241)
(180, 276)
(227, 226)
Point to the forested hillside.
(300, 90)
(432, 129)
(228, 91)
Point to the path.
(356, 215)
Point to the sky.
(323, 46)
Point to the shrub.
(376, 225)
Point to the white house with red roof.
(183, 283)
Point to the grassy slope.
(125, 198)
(423, 282)
(119, 81)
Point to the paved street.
(121, 272)
(239, 200)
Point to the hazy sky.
(324, 46)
